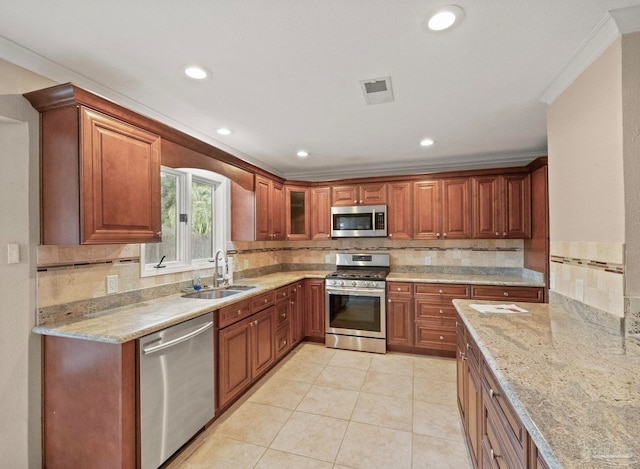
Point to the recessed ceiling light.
(444, 18)
(427, 142)
(224, 131)
(196, 72)
(302, 154)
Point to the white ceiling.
(286, 74)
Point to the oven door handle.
(356, 292)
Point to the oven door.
(356, 312)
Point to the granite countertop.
(130, 322)
(472, 279)
(574, 384)
(126, 323)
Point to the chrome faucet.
(216, 279)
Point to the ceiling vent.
(377, 90)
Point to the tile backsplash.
(75, 273)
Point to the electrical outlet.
(579, 290)
(427, 260)
(112, 284)
(327, 259)
(13, 254)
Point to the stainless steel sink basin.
(217, 294)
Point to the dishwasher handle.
(176, 341)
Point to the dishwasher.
(176, 387)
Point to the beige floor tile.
(314, 353)
(313, 436)
(254, 423)
(299, 371)
(280, 393)
(384, 411)
(332, 402)
(443, 369)
(371, 447)
(435, 391)
(430, 452)
(223, 453)
(351, 359)
(442, 421)
(343, 378)
(392, 363)
(274, 459)
(388, 384)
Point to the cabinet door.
(517, 206)
(120, 177)
(315, 304)
(456, 208)
(263, 202)
(234, 352)
(399, 211)
(473, 410)
(426, 210)
(399, 321)
(262, 329)
(277, 211)
(297, 301)
(297, 213)
(320, 213)
(486, 207)
(372, 194)
(461, 364)
(344, 195)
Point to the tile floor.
(326, 408)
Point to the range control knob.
(341, 283)
(354, 283)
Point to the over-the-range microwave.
(359, 221)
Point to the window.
(195, 208)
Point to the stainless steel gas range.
(355, 303)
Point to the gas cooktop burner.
(359, 274)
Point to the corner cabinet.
(297, 213)
(99, 176)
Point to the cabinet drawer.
(439, 338)
(493, 397)
(496, 452)
(282, 312)
(443, 291)
(282, 293)
(399, 289)
(233, 313)
(528, 294)
(471, 350)
(263, 301)
(435, 311)
(283, 340)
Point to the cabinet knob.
(506, 293)
(399, 289)
(441, 291)
(493, 455)
(293, 303)
(390, 235)
(158, 233)
(389, 300)
(497, 234)
(462, 356)
(441, 312)
(239, 311)
(492, 393)
(441, 338)
(284, 342)
(284, 315)
(437, 235)
(361, 201)
(504, 233)
(328, 236)
(355, 201)
(266, 299)
(444, 235)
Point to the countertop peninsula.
(574, 384)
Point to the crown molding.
(445, 164)
(614, 24)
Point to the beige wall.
(17, 80)
(584, 126)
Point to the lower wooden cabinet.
(495, 434)
(245, 350)
(314, 313)
(296, 297)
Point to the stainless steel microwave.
(359, 221)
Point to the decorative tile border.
(87, 263)
(364, 249)
(589, 264)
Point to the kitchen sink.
(217, 294)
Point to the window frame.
(220, 216)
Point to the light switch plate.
(112, 284)
(427, 260)
(13, 254)
(327, 259)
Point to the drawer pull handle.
(493, 455)
(506, 293)
(492, 393)
(462, 356)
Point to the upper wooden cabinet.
(320, 213)
(100, 179)
(269, 210)
(442, 209)
(364, 194)
(297, 212)
(400, 211)
(502, 206)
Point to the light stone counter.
(471, 279)
(126, 323)
(574, 384)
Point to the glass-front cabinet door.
(297, 212)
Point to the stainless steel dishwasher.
(176, 387)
